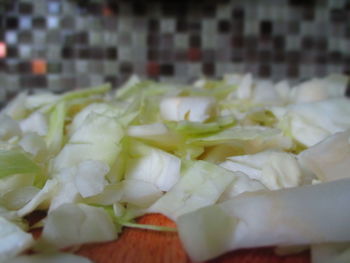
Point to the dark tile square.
(113, 6)
(307, 42)
(237, 42)
(321, 59)
(68, 53)
(237, 55)
(166, 55)
(178, 9)
(293, 27)
(321, 43)
(96, 53)
(180, 55)
(264, 71)
(139, 8)
(167, 40)
(81, 38)
(26, 81)
(3, 65)
(224, 26)
(153, 40)
(265, 27)
(346, 71)
(298, 3)
(293, 57)
(9, 6)
(279, 57)
(308, 13)
(181, 25)
(238, 13)
(293, 71)
(93, 7)
(250, 56)
(195, 40)
(39, 81)
(112, 53)
(84, 53)
(25, 8)
(335, 57)
(12, 52)
(152, 55)
(39, 22)
(347, 31)
(338, 15)
(208, 69)
(11, 23)
(208, 55)
(265, 56)
(251, 42)
(167, 69)
(237, 27)
(195, 26)
(126, 68)
(153, 25)
(209, 10)
(25, 37)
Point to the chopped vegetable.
(201, 184)
(73, 224)
(13, 240)
(14, 162)
(236, 163)
(294, 216)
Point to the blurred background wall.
(62, 44)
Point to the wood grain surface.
(145, 246)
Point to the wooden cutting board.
(144, 246)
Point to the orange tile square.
(39, 66)
(106, 11)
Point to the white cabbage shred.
(236, 163)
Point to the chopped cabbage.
(55, 134)
(153, 166)
(236, 163)
(320, 89)
(97, 139)
(9, 128)
(36, 122)
(13, 240)
(330, 159)
(74, 224)
(310, 123)
(34, 144)
(90, 177)
(275, 170)
(201, 184)
(196, 109)
(14, 162)
(294, 216)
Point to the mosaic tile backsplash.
(62, 45)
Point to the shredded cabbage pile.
(236, 163)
